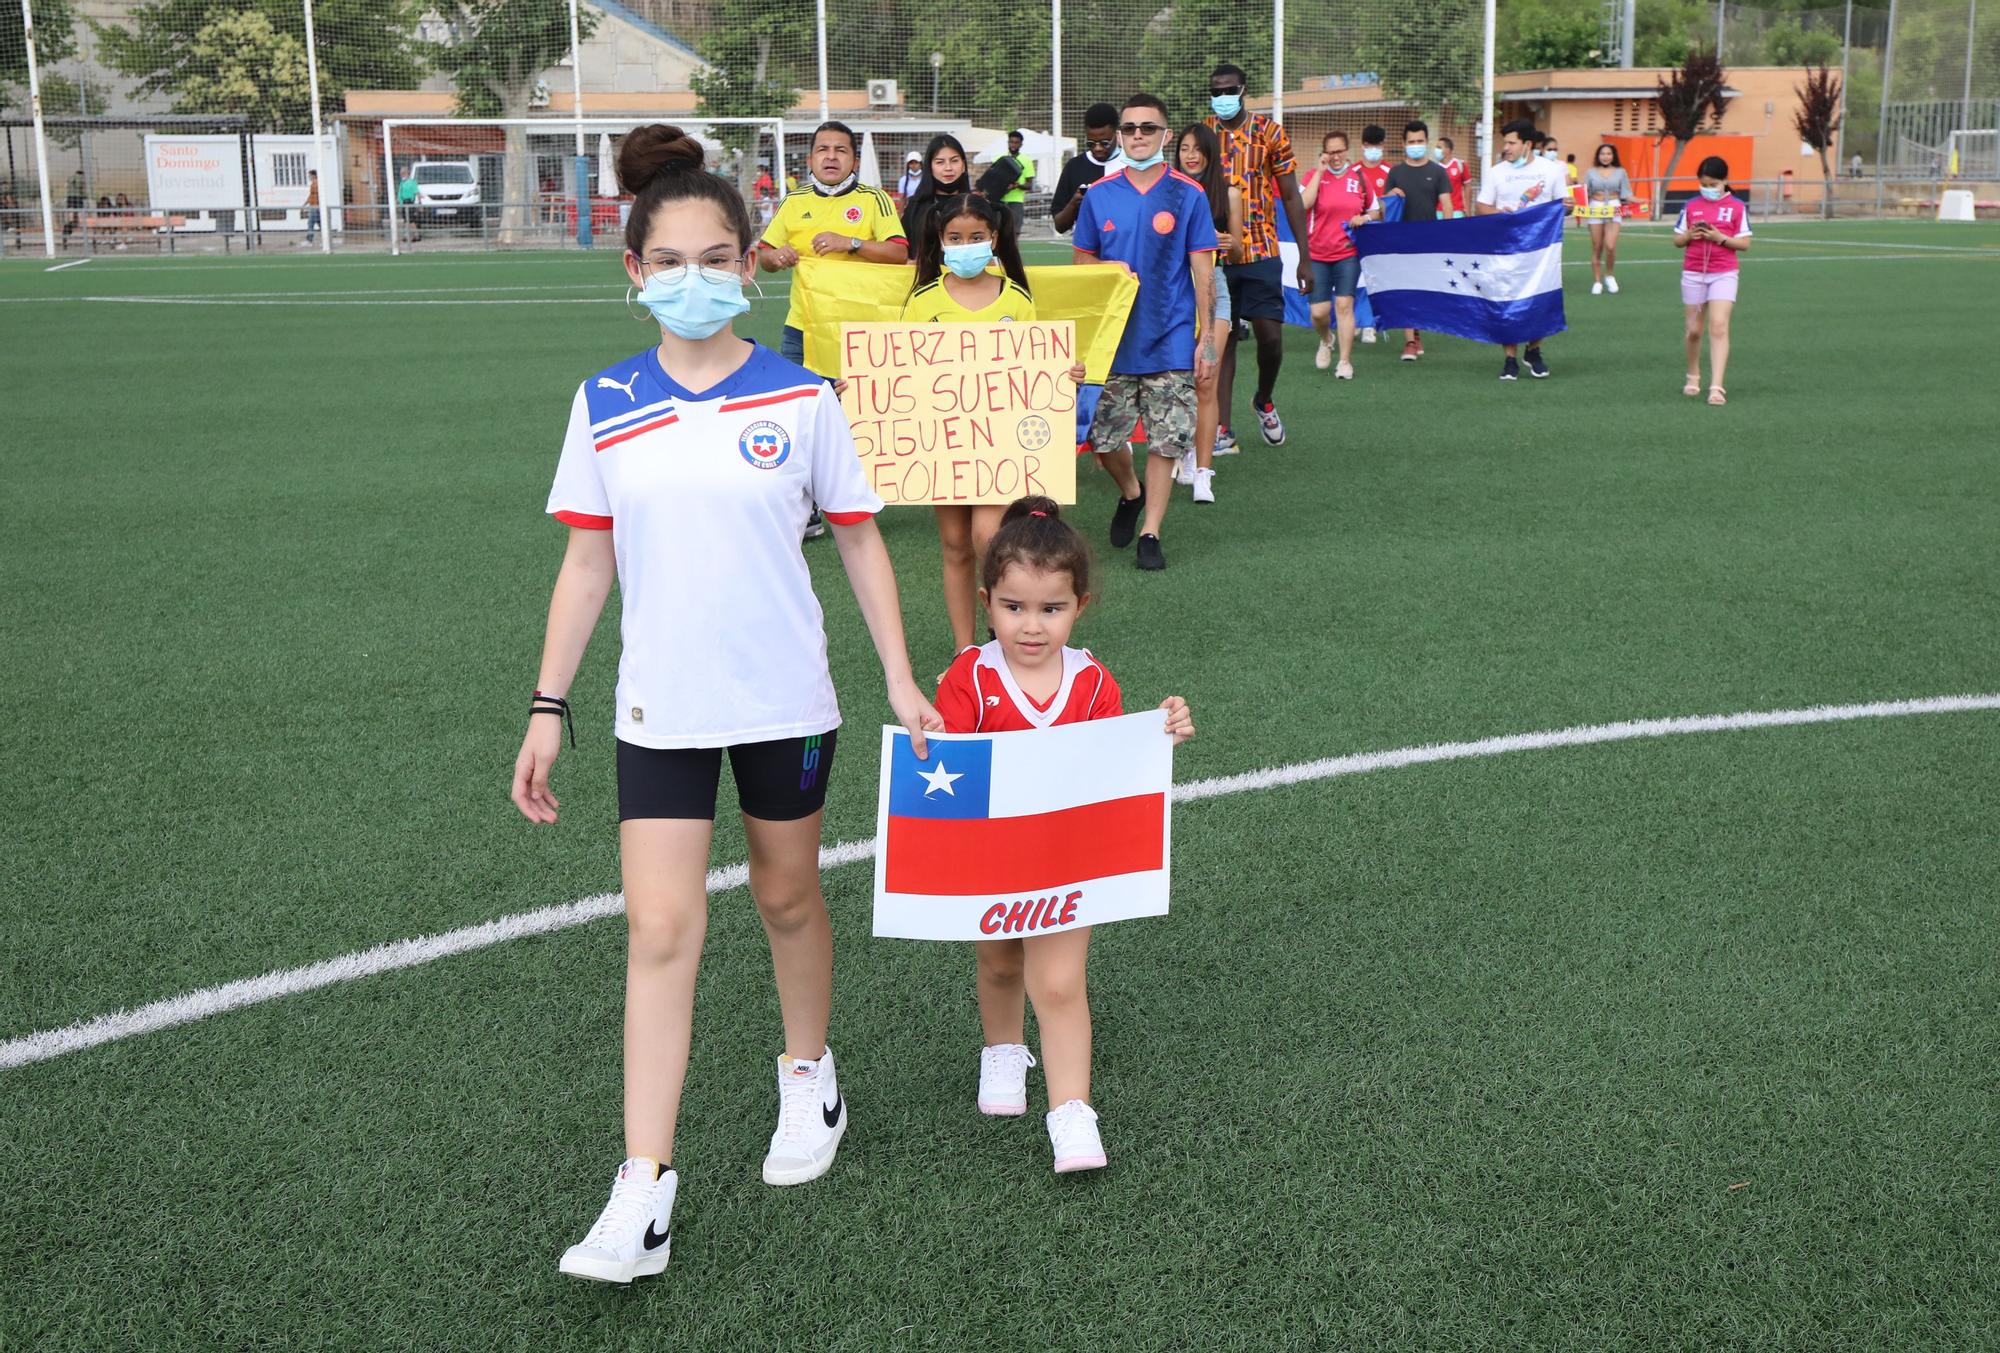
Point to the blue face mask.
(1714, 194)
(1417, 152)
(1133, 162)
(693, 307)
(968, 260)
(1372, 154)
(1226, 106)
(1437, 152)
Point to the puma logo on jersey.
(606, 383)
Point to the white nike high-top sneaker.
(811, 1118)
(629, 1239)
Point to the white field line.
(73, 263)
(197, 1005)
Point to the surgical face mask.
(1372, 154)
(1437, 152)
(1714, 194)
(835, 189)
(1226, 105)
(968, 260)
(1548, 154)
(1417, 152)
(1134, 162)
(693, 305)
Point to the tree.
(1427, 55)
(1551, 41)
(743, 77)
(1817, 118)
(499, 49)
(55, 40)
(63, 96)
(1687, 98)
(240, 63)
(363, 44)
(1788, 43)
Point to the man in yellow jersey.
(1016, 197)
(832, 216)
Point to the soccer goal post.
(515, 182)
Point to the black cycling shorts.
(780, 781)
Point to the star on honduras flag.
(1005, 835)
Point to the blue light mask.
(968, 260)
(693, 305)
(1714, 194)
(1372, 154)
(1132, 162)
(1417, 154)
(1226, 106)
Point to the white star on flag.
(939, 779)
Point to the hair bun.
(654, 149)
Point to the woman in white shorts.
(1606, 190)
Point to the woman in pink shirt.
(1714, 228)
(1335, 195)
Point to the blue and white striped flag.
(1493, 279)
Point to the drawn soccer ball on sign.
(1035, 433)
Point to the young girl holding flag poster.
(1037, 584)
(686, 476)
(963, 238)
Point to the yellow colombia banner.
(1096, 297)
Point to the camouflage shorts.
(1162, 400)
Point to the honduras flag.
(1493, 279)
(1003, 835)
(1298, 305)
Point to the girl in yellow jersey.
(956, 284)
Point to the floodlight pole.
(576, 110)
(318, 156)
(1882, 118)
(1486, 96)
(1278, 61)
(41, 137)
(1846, 78)
(1055, 79)
(393, 197)
(819, 26)
(1965, 96)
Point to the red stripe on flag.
(628, 434)
(967, 857)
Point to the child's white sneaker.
(1184, 468)
(1611, 284)
(1204, 486)
(629, 1239)
(1003, 1079)
(1597, 288)
(1073, 1134)
(811, 1119)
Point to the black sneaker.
(1151, 558)
(815, 526)
(1511, 371)
(1125, 520)
(1536, 366)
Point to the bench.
(125, 228)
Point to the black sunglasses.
(1225, 89)
(1140, 128)
(1103, 140)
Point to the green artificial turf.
(1468, 1055)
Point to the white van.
(447, 192)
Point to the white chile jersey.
(706, 497)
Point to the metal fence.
(226, 125)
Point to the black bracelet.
(556, 705)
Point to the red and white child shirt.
(979, 694)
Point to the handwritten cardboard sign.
(963, 413)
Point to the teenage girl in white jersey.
(686, 476)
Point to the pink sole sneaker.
(1075, 1163)
(1002, 1110)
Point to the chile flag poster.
(1007, 835)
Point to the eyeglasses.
(717, 267)
(1141, 128)
(1103, 140)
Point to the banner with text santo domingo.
(1010, 835)
(962, 413)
